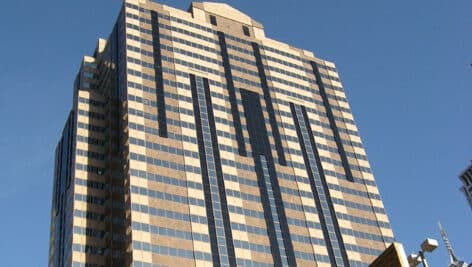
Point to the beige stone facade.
(195, 140)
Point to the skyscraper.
(195, 140)
(466, 179)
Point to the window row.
(92, 102)
(89, 199)
(90, 168)
(157, 230)
(165, 163)
(90, 140)
(88, 249)
(91, 114)
(173, 252)
(90, 154)
(166, 196)
(91, 127)
(168, 214)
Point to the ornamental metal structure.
(453, 260)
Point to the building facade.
(466, 179)
(195, 140)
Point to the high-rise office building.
(195, 140)
(466, 179)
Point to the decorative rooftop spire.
(452, 257)
(453, 261)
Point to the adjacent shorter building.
(466, 179)
(195, 140)
(393, 256)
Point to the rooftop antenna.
(452, 256)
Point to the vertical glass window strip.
(337, 137)
(160, 99)
(332, 122)
(210, 171)
(273, 209)
(232, 94)
(330, 228)
(274, 212)
(270, 107)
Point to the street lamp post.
(427, 246)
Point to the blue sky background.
(405, 66)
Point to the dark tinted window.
(213, 20)
(246, 31)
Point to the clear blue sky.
(405, 66)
